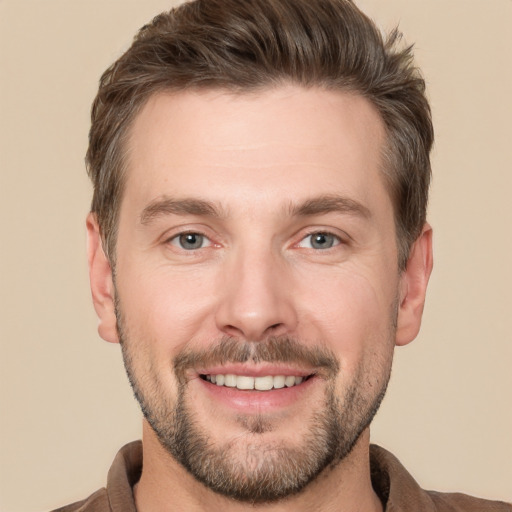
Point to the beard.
(256, 470)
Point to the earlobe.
(413, 287)
(102, 286)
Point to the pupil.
(191, 241)
(322, 241)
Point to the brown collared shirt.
(396, 488)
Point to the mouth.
(257, 389)
(249, 383)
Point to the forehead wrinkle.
(186, 206)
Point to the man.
(258, 246)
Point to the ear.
(102, 285)
(413, 287)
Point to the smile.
(246, 382)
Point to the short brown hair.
(246, 45)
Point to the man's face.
(256, 248)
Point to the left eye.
(190, 241)
(319, 241)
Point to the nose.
(256, 300)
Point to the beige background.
(66, 406)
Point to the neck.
(165, 485)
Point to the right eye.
(190, 241)
(319, 240)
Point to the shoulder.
(457, 502)
(400, 492)
(97, 502)
(117, 496)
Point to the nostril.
(274, 329)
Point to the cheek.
(352, 313)
(165, 304)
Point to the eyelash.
(177, 238)
(337, 240)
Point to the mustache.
(276, 349)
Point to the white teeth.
(279, 381)
(264, 383)
(230, 381)
(245, 382)
(289, 381)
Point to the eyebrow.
(327, 204)
(171, 206)
(315, 206)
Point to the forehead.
(280, 144)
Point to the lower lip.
(248, 401)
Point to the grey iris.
(322, 241)
(191, 241)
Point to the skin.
(255, 157)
